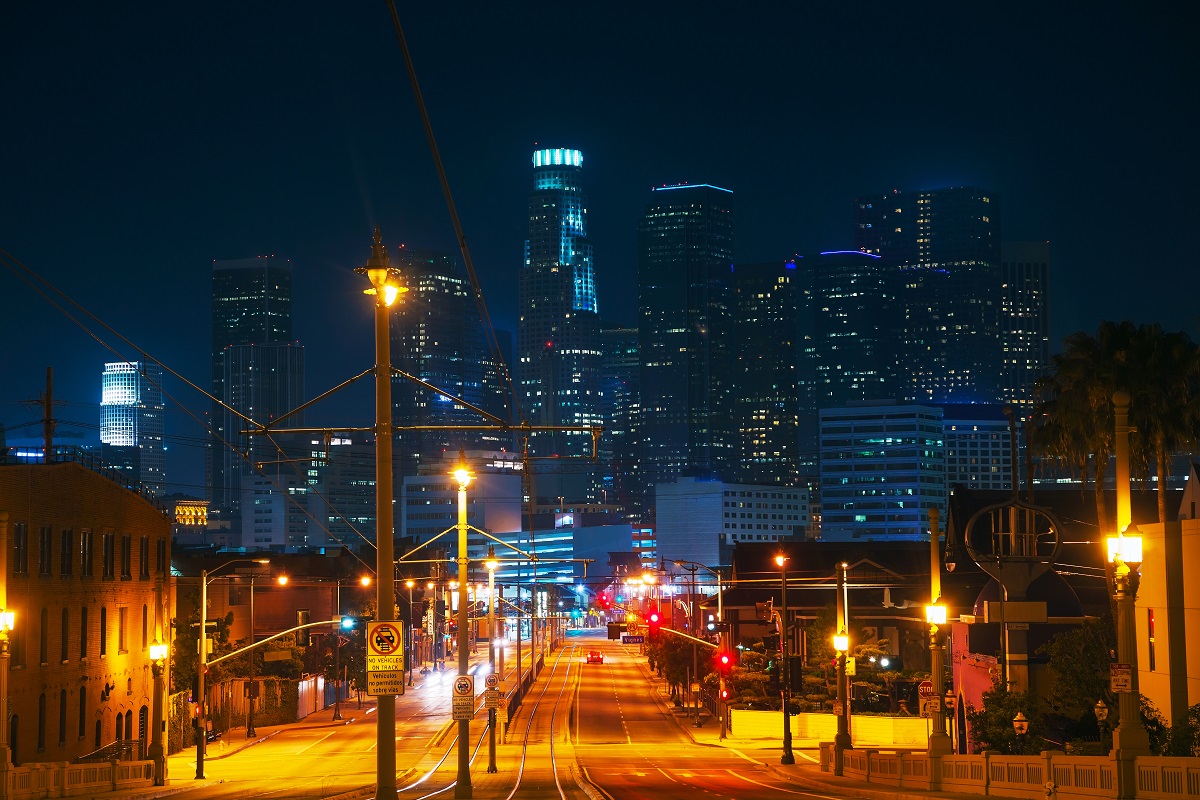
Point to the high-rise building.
(131, 423)
(438, 338)
(768, 350)
(558, 347)
(946, 243)
(978, 446)
(1026, 319)
(258, 371)
(685, 300)
(620, 473)
(883, 466)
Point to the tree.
(992, 725)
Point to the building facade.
(86, 563)
(1026, 319)
(946, 245)
(685, 304)
(258, 370)
(978, 446)
(558, 330)
(883, 466)
(620, 474)
(132, 422)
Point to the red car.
(595, 657)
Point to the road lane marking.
(665, 775)
(314, 744)
(780, 788)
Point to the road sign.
(464, 686)
(383, 639)
(627, 639)
(382, 684)
(491, 698)
(492, 681)
(1120, 678)
(925, 689)
(930, 706)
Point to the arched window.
(99, 730)
(145, 627)
(62, 718)
(82, 712)
(83, 635)
(44, 644)
(66, 630)
(103, 630)
(128, 724)
(41, 740)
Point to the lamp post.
(841, 643)
(1102, 719)
(788, 757)
(491, 565)
(462, 787)
(722, 639)
(939, 741)
(385, 289)
(158, 666)
(202, 649)
(8, 621)
(409, 584)
(250, 731)
(1020, 728)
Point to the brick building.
(85, 563)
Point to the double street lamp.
(722, 639)
(788, 757)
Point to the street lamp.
(202, 649)
(158, 665)
(935, 617)
(841, 643)
(1020, 727)
(462, 787)
(8, 621)
(788, 757)
(491, 565)
(385, 288)
(253, 684)
(722, 640)
(410, 583)
(1102, 718)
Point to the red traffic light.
(654, 620)
(724, 662)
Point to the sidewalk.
(806, 772)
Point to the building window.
(46, 534)
(83, 634)
(1150, 634)
(62, 718)
(145, 627)
(161, 553)
(44, 642)
(66, 551)
(122, 630)
(126, 557)
(64, 656)
(85, 552)
(21, 549)
(103, 631)
(109, 555)
(41, 740)
(82, 712)
(144, 558)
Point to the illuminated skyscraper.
(131, 423)
(558, 347)
(946, 243)
(258, 370)
(685, 299)
(1026, 268)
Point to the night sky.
(136, 146)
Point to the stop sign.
(925, 689)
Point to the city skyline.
(140, 157)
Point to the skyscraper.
(620, 471)
(1026, 320)
(437, 337)
(258, 371)
(685, 299)
(131, 423)
(558, 348)
(946, 243)
(768, 354)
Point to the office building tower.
(131, 423)
(946, 243)
(258, 371)
(1026, 319)
(685, 302)
(883, 466)
(438, 338)
(768, 351)
(620, 473)
(978, 446)
(558, 347)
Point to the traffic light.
(654, 621)
(725, 695)
(773, 675)
(349, 623)
(712, 623)
(604, 602)
(723, 662)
